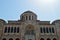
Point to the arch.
(4, 39)
(10, 39)
(17, 39)
(54, 39)
(48, 39)
(29, 29)
(42, 39)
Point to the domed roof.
(29, 12)
(56, 21)
(28, 15)
(1, 20)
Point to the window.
(26, 17)
(44, 30)
(47, 30)
(5, 31)
(32, 17)
(28, 32)
(14, 29)
(22, 17)
(29, 17)
(41, 30)
(8, 29)
(11, 29)
(32, 31)
(17, 29)
(52, 30)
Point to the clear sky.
(45, 9)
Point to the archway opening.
(29, 30)
(54, 39)
(42, 39)
(48, 39)
(10, 39)
(4, 39)
(17, 39)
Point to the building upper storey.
(26, 17)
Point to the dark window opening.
(22, 17)
(17, 29)
(5, 31)
(44, 30)
(29, 17)
(14, 29)
(47, 30)
(29, 32)
(11, 29)
(41, 30)
(52, 30)
(8, 29)
(32, 17)
(26, 17)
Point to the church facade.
(29, 28)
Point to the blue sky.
(46, 10)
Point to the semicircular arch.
(29, 27)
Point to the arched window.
(30, 30)
(41, 30)
(44, 29)
(8, 29)
(14, 29)
(26, 17)
(5, 31)
(32, 17)
(10, 39)
(17, 29)
(48, 39)
(54, 38)
(11, 29)
(17, 38)
(41, 39)
(52, 30)
(22, 18)
(4, 39)
(47, 30)
(29, 17)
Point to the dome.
(56, 21)
(1, 20)
(28, 16)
